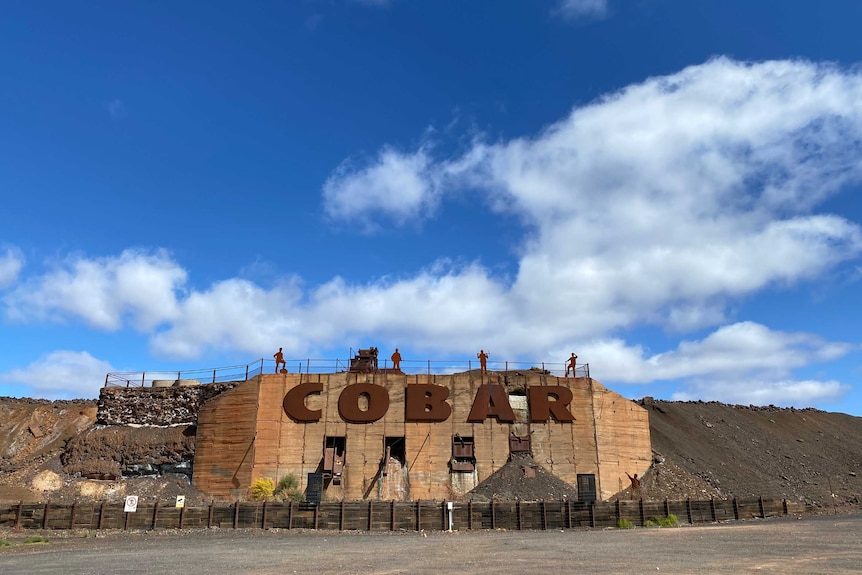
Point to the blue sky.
(670, 189)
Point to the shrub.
(669, 521)
(652, 522)
(623, 523)
(262, 489)
(288, 488)
(36, 539)
(4, 543)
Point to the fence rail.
(260, 366)
(391, 515)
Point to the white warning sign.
(181, 500)
(131, 504)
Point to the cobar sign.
(426, 402)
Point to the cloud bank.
(660, 204)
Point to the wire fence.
(262, 366)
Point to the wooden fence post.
(182, 515)
(617, 511)
(341, 516)
(470, 514)
(45, 516)
(290, 515)
(762, 510)
(569, 513)
(263, 516)
(520, 519)
(419, 515)
(688, 510)
(784, 506)
(544, 516)
(392, 515)
(210, 517)
(155, 515)
(592, 513)
(316, 515)
(19, 514)
(370, 512)
(126, 523)
(493, 514)
(666, 508)
(101, 515)
(236, 514)
(736, 509)
(72, 517)
(641, 511)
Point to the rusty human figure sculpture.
(636, 486)
(570, 365)
(483, 361)
(396, 360)
(279, 360)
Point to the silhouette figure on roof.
(483, 361)
(279, 360)
(396, 360)
(570, 365)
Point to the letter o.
(348, 403)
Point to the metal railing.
(309, 365)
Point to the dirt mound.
(803, 455)
(524, 479)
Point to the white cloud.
(62, 375)
(664, 201)
(802, 393)
(396, 185)
(583, 8)
(104, 292)
(738, 349)
(117, 109)
(10, 266)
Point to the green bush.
(36, 539)
(4, 543)
(652, 523)
(288, 488)
(623, 523)
(669, 521)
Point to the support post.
(392, 515)
(182, 516)
(470, 514)
(762, 509)
(735, 509)
(341, 516)
(18, 515)
(712, 508)
(236, 514)
(784, 506)
(263, 516)
(45, 515)
(641, 511)
(210, 516)
(72, 514)
(568, 513)
(688, 510)
(370, 512)
(126, 523)
(290, 515)
(592, 513)
(544, 515)
(493, 514)
(101, 516)
(155, 515)
(419, 515)
(316, 516)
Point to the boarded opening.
(586, 487)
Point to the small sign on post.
(131, 504)
(181, 500)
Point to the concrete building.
(407, 437)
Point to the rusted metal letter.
(348, 403)
(294, 403)
(491, 401)
(426, 402)
(542, 409)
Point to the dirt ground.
(812, 545)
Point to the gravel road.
(826, 544)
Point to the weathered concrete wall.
(249, 435)
(159, 406)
